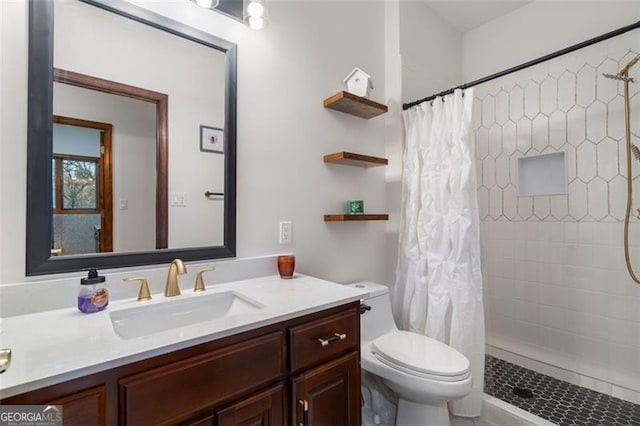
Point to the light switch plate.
(178, 199)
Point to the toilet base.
(432, 413)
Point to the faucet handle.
(199, 281)
(143, 293)
(5, 359)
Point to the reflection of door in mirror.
(82, 187)
(133, 203)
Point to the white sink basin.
(149, 319)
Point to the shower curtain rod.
(527, 64)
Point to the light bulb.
(255, 9)
(256, 22)
(207, 4)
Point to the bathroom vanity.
(295, 360)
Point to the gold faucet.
(5, 359)
(199, 287)
(176, 268)
(144, 293)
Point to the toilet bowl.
(423, 372)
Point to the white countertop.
(55, 346)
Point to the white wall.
(13, 127)
(431, 52)
(556, 287)
(394, 133)
(285, 71)
(537, 29)
(423, 58)
(133, 157)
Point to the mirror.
(87, 204)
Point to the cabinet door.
(331, 393)
(87, 407)
(262, 409)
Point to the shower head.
(619, 77)
(623, 74)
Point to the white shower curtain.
(438, 289)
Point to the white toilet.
(422, 371)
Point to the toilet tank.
(379, 320)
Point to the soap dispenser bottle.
(93, 295)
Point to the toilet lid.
(420, 353)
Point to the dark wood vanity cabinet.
(259, 377)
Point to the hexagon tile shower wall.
(623, 75)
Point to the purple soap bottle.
(93, 295)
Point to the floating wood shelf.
(353, 159)
(354, 217)
(355, 105)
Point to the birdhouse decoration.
(358, 82)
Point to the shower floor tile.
(555, 400)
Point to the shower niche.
(544, 174)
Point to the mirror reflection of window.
(76, 190)
(77, 185)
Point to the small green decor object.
(355, 207)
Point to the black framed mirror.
(41, 202)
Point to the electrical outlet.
(286, 229)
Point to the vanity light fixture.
(256, 14)
(207, 4)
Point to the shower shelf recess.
(355, 105)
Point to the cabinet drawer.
(169, 393)
(318, 341)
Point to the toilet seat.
(420, 356)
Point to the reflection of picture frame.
(211, 139)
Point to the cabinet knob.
(335, 338)
(143, 293)
(199, 281)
